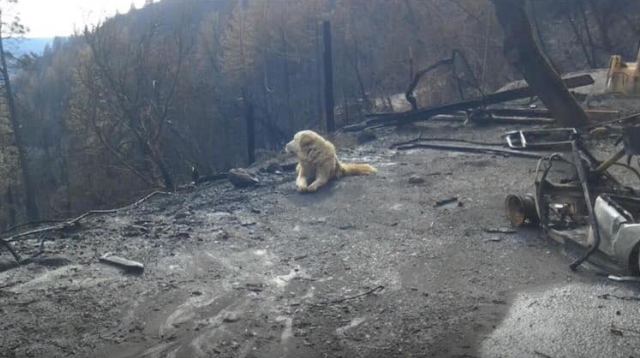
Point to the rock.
(230, 317)
(240, 178)
(53, 260)
(134, 231)
(182, 235)
(273, 168)
(7, 264)
(365, 137)
(181, 215)
(289, 167)
(414, 179)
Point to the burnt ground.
(367, 267)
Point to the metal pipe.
(611, 161)
(587, 197)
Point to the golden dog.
(318, 163)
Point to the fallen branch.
(416, 79)
(30, 223)
(607, 296)
(469, 149)
(13, 252)
(302, 257)
(68, 224)
(390, 119)
(376, 289)
(620, 329)
(210, 178)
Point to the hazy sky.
(48, 18)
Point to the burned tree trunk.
(251, 131)
(318, 73)
(16, 126)
(328, 78)
(287, 81)
(523, 53)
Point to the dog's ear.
(305, 140)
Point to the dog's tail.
(357, 169)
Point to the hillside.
(28, 45)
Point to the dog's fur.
(318, 163)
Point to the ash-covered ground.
(367, 267)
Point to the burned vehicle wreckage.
(586, 207)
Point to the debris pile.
(587, 206)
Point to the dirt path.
(367, 267)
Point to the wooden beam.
(387, 119)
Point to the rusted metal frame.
(593, 222)
(471, 149)
(521, 136)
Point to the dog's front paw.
(311, 188)
(301, 188)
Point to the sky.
(50, 18)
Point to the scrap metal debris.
(624, 278)
(521, 209)
(470, 149)
(545, 139)
(590, 208)
(349, 298)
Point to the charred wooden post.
(523, 53)
(330, 124)
(251, 131)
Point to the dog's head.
(300, 141)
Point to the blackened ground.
(367, 267)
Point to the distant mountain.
(23, 46)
